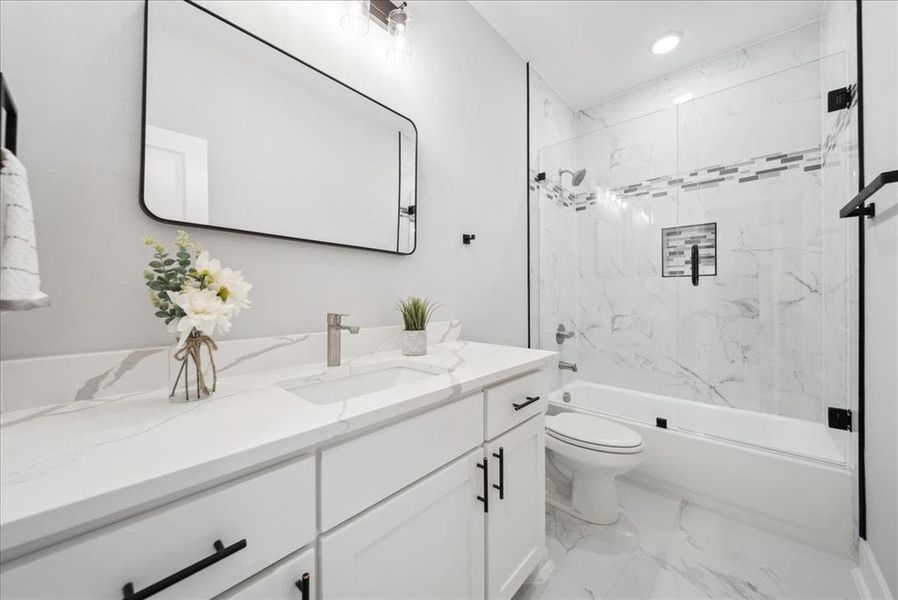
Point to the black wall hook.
(467, 238)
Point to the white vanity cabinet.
(426, 542)
(444, 502)
(193, 548)
(516, 519)
(472, 529)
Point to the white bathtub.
(786, 475)
(795, 437)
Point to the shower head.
(576, 176)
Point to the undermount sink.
(352, 385)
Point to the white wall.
(75, 71)
(880, 34)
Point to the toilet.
(588, 452)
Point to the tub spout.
(567, 366)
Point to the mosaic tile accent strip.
(760, 167)
(676, 250)
(579, 200)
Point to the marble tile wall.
(32, 383)
(792, 48)
(771, 331)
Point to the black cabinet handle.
(694, 264)
(302, 584)
(501, 487)
(221, 552)
(485, 498)
(530, 400)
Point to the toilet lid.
(594, 431)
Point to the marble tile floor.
(663, 547)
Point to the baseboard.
(867, 576)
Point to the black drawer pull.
(530, 400)
(302, 584)
(221, 553)
(485, 498)
(501, 487)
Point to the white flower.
(204, 311)
(227, 283)
(209, 268)
(233, 289)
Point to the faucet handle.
(334, 318)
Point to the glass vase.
(193, 374)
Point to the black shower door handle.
(694, 264)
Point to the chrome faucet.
(335, 328)
(567, 366)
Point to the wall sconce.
(355, 17)
(399, 27)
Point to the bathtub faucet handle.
(562, 334)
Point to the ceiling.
(590, 51)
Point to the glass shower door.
(600, 255)
(763, 170)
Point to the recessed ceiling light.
(667, 42)
(683, 98)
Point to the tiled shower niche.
(676, 250)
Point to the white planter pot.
(414, 343)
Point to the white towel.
(20, 280)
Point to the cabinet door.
(291, 579)
(425, 542)
(516, 532)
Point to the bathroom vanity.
(387, 477)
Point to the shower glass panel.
(764, 345)
(768, 333)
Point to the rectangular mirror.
(242, 136)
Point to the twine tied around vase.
(191, 350)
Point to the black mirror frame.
(143, 134)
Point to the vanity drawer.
(258, 519)
(511, 403)
(364, 471)
(291, 579)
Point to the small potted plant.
(416, 313)
(197, 298)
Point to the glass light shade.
(355, 17)
(399, 26)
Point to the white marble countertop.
(67, 469)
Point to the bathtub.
(786, 475)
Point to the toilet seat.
(593, 433)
